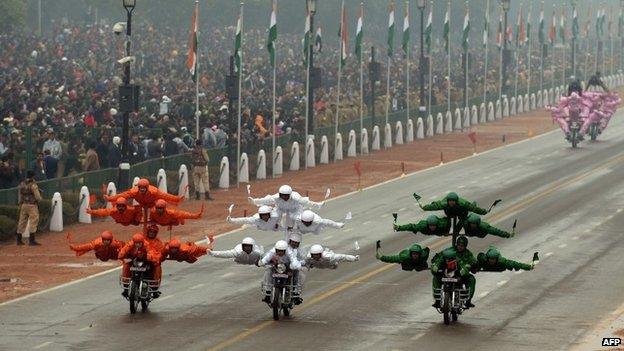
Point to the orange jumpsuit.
(156, 247)
(132, 215)
(171, 216)
(148, 198)
(188, 252)
(128, 251)
(102, 252)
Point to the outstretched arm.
(329, 223)
(515, 265)
(434, 206)
(223, 254)
(491, 230)
(268, 200)
(472, 207)
(100, 212)
(344, 258)
(390, 259)
(242, 220)
(410, 227)
(306, 202)
(169, 198)
(128, 194)
(82, 249)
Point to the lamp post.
(422, 109)
(128, 96)
(506, 4)
(621, 38)
(312, 74)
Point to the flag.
(509, 35)
(318, 40)
(499, 33)
(575, 25)
(447, 28)
(191, 61)
(406, 31)
(238, 42)
(305, 42)
(528, 27)
(598, 24)
(343, 34)
(562, 33)
(466, 30)
(272, 33)
(358, 169)
(541, 36)
(587, 24)
(359, 35)
(428, 30)
(620, 24)
(486, 28)
(391, 30)
(609, 25)
(519, 28)
(552, 34)
(473, 137)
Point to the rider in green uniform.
(464, 261)
(493, 261)
(413, 258)
(474, 226)
(455, 206)
(433, 225)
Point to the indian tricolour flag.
(191, 61)
(272, 34)
(359, 34)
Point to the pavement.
(569, 204)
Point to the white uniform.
(291, 208)
(258, 222)
(289, 259)
(240, 256)
(317, 225)
(328, 260)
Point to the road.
(569, 205)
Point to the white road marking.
(548, 254)
(196, 286)
(461, 187)
(588, 230)
(417, 336)
(609, 217)
(348, 230)
(85, 328)
(384, 215)
(562, 246)
(42, 345)
(166, 297)
(228, 274)
(575, 238)
(367, 222)
(519, 272)
(402, 209)
(329, 237)
(619, 210)
(502, 282)
(484, 294)
(486, 177)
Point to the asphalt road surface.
(569, 205)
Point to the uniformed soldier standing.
(200, 170)
(28, 200)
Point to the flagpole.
(387, 92)
(361, 75)
(240, 91)
(197, 55)
(274, 108)
(485, 70)
(307, 115)
(448, 61)
(390, 52)
(503, 37)
(517, 56)
(528, 90)
(430, 64)
(407, 58)
(337, 117)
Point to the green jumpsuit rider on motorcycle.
(464, 259)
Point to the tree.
(12, 14)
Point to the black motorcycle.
(452, 295)
(141, 287)
(281, 289)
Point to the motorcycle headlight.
(281, 268)
(140, 263)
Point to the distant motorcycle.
(452, 295)
(140, 287)
(281, 288)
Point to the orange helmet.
(106, 235)
(174, 243)
(143, 182)
(138, 238)
(160, 203)
(121, 201)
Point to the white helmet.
(281, 245)
(264, 209)
(285, 189)
(295, 237)
(248, 241)
(316, 249)
(307, 216)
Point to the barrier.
(364, 142)
(512, 106)
(261, 165)
(429, 131)
(351, 145)
(505, 107)
(491, 116)
(474, 115)
(278, 161)
(310, 152)
(448, 122)
(111, 190)
(538, 98)
(338, 148)
(439, 124)
(224, 173)
(499, 111)
(398, 132)
(533, 104)
(243, 168)
(520, 104)
(466, 118)
(387, 136)
(526, 107)
(56, 220)
(161, 180)
(183, 182)
(294, 157)
(409, 136)
(457, 119)
(83, 216)
(135, 181)
(375, 142)
(420, 132)
(324, 159)
(483, 113)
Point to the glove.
(395, 227)
(250, 199)
(229, 219)
(357, 257)
(434, 268)
(463, 272)
(512, 234)
(88, 210)
(340, 225)
(377, 255)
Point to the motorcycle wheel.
(593, 132)
(454, 316)
(133, 299)
(446, 308)
(447, 318)
(574, 139)
(144, 305)
(275, 304)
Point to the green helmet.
(449, 254)
(432, 220)
(452, 196)
(462, 240)
(492, 252)
(416, 248)
(473, 218)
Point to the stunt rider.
(121, 212)
(455, 206)
(493, 261)
(324, 258)
(247, 252)
(433, 225)
(188, 252)
(105, 247)
(413, 258)
(475, 227)
(167, 216)
(310, 222)
(459, 258)
(138, 248)
(287, 202)
(266, 219)
(278, 254)
(145, 194)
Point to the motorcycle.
(594, 130)
(575, 127)
(452, 295)
(281, 289)
(140, 287)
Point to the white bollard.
(294, 157)
(457, 120)
(387, 136)
(310, 152)
(278, 161)
(56, 221)
(261, 165)
(466, 118)
(161, 180)
(551, 96)
(351, 144)
(499, 110)
(532, 105)
(338, 148)
(364, 142)
(505, 107)
(474, 115)
(538, 98)
(224, 173)
(135, 181)
(439, 125)
(420, 132)
(398, 132)
(375, 144)
(482, 113)
(409, 136)
(525, 99)
(83, 216)
(243, 168)
(448, 122)
(512, 106)
(111, 190)
(324, 150)
(183, 182)
(520, 104)
(429, 132)
(557, 95)
(491, 115)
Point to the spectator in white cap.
(114, 153)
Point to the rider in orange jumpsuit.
(121, 213)
(145, 194)
(105, 247)
(167, 216)
(155, 245)
(187, 252)
(139, 248)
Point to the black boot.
(207, 196)
(124, 293)
(18, 239)
(266, 298)
(32, 241)
(197, 195)
(436, 304)
(469, 303)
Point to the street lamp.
(313, 74)
(505, 4)
(421, 96)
